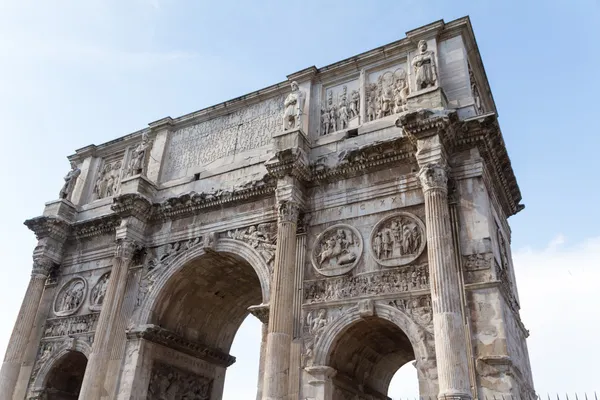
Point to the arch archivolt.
(58, 352)
(420, 339)
(225, 246)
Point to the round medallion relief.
(337, 250)
(398, 239)
(70, 297)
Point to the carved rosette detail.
(70, 297)
(42, 267)
(337, 250)
(288, 211)
(398, 239)
(434, 177)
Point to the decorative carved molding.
(98, 292)
(49, 226)
(70, 297)
(169, 382)
(289, 162)
(398, 239)
(162, 336)
(96, 226)
(57, 327)
(42, 266)
(478, 261)
(389, 281)
(132, 205)
(261, 312)
(434, 177)
(189, 203)
(261, 237)
(337, 250)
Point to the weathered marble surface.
(358, 210)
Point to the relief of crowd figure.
(393, 281)
(168, 383)
(388, 96)
(69, 326)
(339, 248)
(400, 238)
(337, 116)
(72, 296)
(109, 181)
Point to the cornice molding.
(132, 205)
(165, 337)
(95, 227)
(289, 162)
(49, 226)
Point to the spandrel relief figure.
(294, 104)
(398, 240)
(98, 292)
(424, 67)
(70, 180)
(138, 157)
(337, 249)
(261, 237)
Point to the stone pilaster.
(279, 336)
(22, 329)
(95, 372)
(450, 344)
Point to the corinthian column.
(25, 322)
(450, 346)
(95, 373)
(279, 336)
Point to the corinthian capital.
(42, 266)
(126, 249)
(288, 211)
(434, 177)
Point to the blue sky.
(80, 72)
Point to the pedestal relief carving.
(424, 67)
(294, 105)
(70, 297)
(168, 382)
(337, 250)
(98, 292)
(411, 277)
(388, 95)
(109, 180)
(398, 239)
(261, 237)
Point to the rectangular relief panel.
(386, 91)
(201, 144)
(340, 107)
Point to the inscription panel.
(245, 129)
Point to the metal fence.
(556, 396)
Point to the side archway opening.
(65, 377)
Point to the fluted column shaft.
(95, 373)
(450, 346)
(279, 336)
(22, 329)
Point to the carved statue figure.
(70, 180)
(371, 110)
(294, 104)
(378, 244)
(385, 98)
(354, 104)
(343, 109)
(400, 96)
(101, 182)
(325, 122)
(316, 324)
(138, 157)
(424, 66)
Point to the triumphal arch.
(359, 210)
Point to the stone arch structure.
(421, 343)
(384, 191)
(226, 246)
(73, 349)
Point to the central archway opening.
(366, 356)
(66, 376)
(203, 305)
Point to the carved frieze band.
(79, 324)
(169, 382)
(389, 281)
(337, 250)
